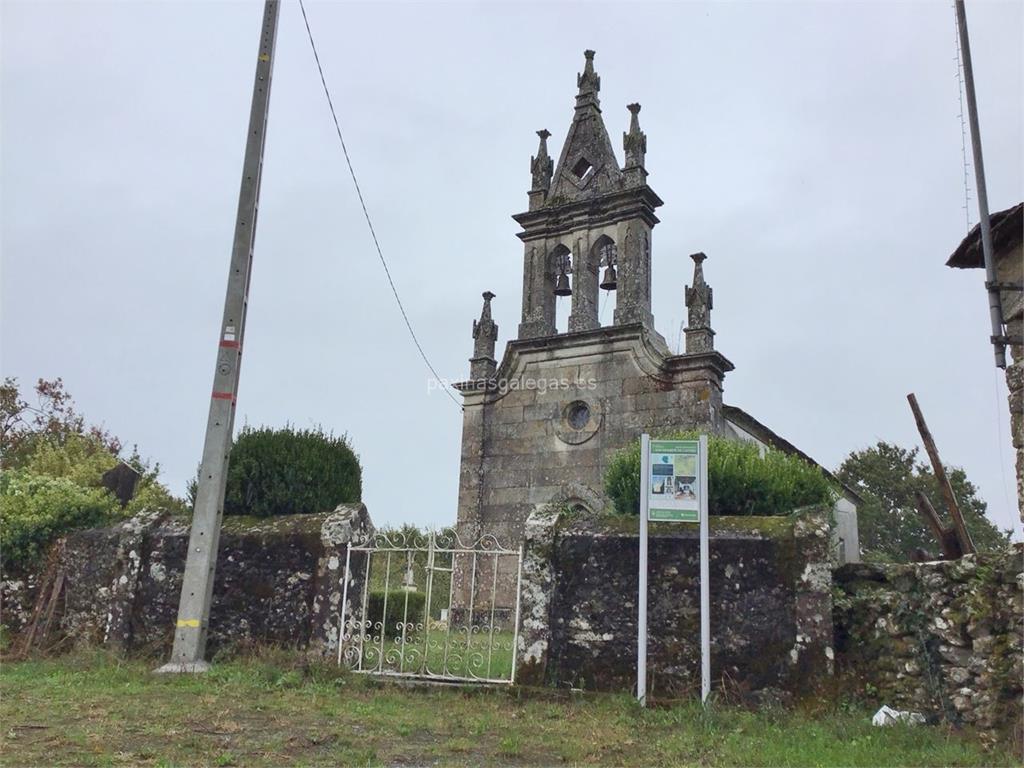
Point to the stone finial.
(542, 166)
(699, 302)
(588, 82)
(634, 141)
(485, 332)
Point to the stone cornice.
(647, 347)
(553, 220)
(692, 362)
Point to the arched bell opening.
(560, 266)
(605, 256)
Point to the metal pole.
(994, 302)
(197, 587)
(344, 601)
(641, 635)
(705, 585)
(515, 632)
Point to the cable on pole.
(963, 122)
(366, 213)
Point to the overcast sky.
(812, 150)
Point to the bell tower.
(542, 421)
(587, 215)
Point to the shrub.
(35, 509)
(740, 481)
(288, 471)
(150, 496)
(396, 611)
(82, 459)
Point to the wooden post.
(966, 543)
(948, 540)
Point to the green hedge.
(740, 481)
(396, 610)
(36, 509)
(289, 471)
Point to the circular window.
(578, 414)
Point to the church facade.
(542, 425)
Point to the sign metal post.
(641, 640)
(705, 581)
(674, 488)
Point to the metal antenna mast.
(994, 303)
(197, 586)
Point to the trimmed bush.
(36, 509)
(289, 471)
(740, 481)
(396, 611)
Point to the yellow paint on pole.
(188, 622)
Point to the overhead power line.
(366, 213)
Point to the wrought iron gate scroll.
(432, 607)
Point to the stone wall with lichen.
(278, 581)
(771, 602)
(942, 638)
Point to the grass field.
(91, 709)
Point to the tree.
(53, 419)
(52, 479)
(886, 477)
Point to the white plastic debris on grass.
(889, 716)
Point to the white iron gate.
(432, 607)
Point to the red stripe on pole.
(222, 396)
(233, 344)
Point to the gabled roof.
(755, 428)
(1007, 232)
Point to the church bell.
(610, 279)
(562, 287)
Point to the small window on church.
(582, 169)
(577, 414)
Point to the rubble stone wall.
(771, 602)
(278, 581)
(942, 638)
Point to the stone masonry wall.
(1010, 270)
(278, 581)
(943, 638)
(770, 603)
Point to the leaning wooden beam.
(947, 537)
(966, 543)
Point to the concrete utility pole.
(994, 300)
(197, 587)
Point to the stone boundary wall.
(278, 581)
(943, 638)
(771, 603)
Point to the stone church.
(542, 425)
